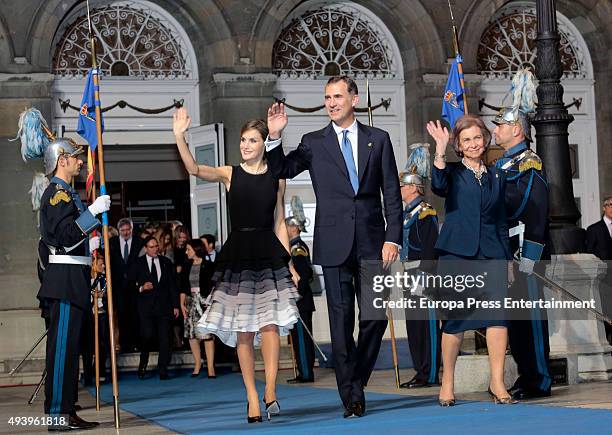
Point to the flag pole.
(94, 274)
(91, 169)
(458, 55)
(389, 313)
(109, 287)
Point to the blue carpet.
(187, 405)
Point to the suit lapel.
(331, 145)
(364, 148)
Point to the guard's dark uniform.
(527, 202)
(64, 248)
(303, 347)
(424, 334)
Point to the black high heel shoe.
(501, 400)
(272, 408)
(250, 419)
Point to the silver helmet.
(297, 218)
(522, 96)
(62, 146)
(418, 166)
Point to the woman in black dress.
(473, 240)
(254, 296)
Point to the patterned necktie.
(154, 278)
(347, 152)
(126, 252)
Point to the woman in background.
(196, 284)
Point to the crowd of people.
(148, 320)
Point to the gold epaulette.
(60, 195)
(427, 210)
(530, 161)
(298, 250)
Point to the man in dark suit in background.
(599, 243)
(124, 251)
(158, 304)
(350, 166)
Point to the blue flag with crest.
(452, 105)
(87, 115)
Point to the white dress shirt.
(352, 135)
(157, 266)
(608, 222)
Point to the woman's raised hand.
(180, 121)
(440, 135)
(277, 120)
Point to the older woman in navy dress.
(474, 228)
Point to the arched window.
(509, 43)
(132, 40)
(331, 40)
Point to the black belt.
(251, 229)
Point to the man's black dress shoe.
(415, 383)
(299, 380)
(74, 423)
(164, 377)
(358, 409)
(524, 394)
(355, 409)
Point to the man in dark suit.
(599, 243)
(124, 251)
(158, 304)
(350, 166)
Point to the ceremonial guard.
(303, 347)
(65, 258)
(420, 233)
(527, 211)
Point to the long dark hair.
(198, 247)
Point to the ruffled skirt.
(247, 297)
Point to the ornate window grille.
(508, 43)
(131, 40)
(332, 40)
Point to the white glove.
(94, 243)
(526, 265)
(100, 205)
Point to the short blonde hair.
(469, 121)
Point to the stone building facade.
(230, 57)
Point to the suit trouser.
(150, 324)
(62, 359)
(303, 347)
(353, 364)
(528, 337)
(127, 305)
(424, 341)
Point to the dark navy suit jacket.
(343, 217)
(466, 228)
